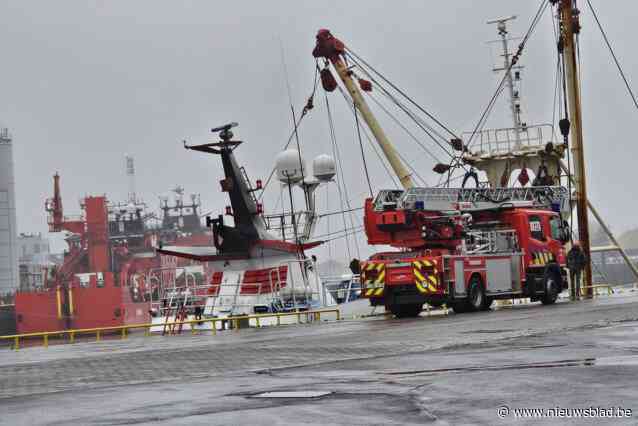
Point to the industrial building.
(8, 230)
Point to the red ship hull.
(94, 304)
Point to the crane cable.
(409, 99)
(369, 139)
(333, 140)
(613, 55)
(427, 129)
(405, 129)
(403, 159)
(363, 156)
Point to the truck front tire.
(551, 287)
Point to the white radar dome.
(289, 166)
(324, 168)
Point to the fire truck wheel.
(477, 298)
(551, 284)
(406, 311)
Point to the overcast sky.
(84, 82)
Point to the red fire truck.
(464, 247)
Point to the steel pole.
(569, 27)
(360, 104)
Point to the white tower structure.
(511, 78)
(8, 229)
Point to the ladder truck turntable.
(463, 247)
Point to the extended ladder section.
(473, 199)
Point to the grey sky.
(84, 82)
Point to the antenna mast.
(514, 94)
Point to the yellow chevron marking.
(378, 292)
(419, 275)
(369, 292)
(416, 264)
(432, 279)
(427, 263)
(432, 288)
(380, 278)
(380, 266)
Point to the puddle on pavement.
(292, 394)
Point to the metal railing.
(124, 329)
(492, 142)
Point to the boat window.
(536, 228)
(555, 225)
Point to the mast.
(570, 27)
(332, 49)
(515, 106)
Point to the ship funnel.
(290, 166)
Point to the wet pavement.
(440, 370)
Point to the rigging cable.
(407, 164)
(405, 129)
(339, 178)
(363, 156)
(372, 145)
(613, 54)
(309, 105)
(351, 53)
(407, 111)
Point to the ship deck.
(456, 369)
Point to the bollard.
(98, 335)
(16, 344)
(71, 337)
(338, 315)
(147, 331)
(45, 340)
(214, 326)
(278, 319)
(123, 333)
(257, 322)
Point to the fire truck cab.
(464, 248)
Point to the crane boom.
(332, 49)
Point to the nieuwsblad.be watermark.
(505, 411)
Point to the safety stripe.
(541, 258)
(373, 292)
